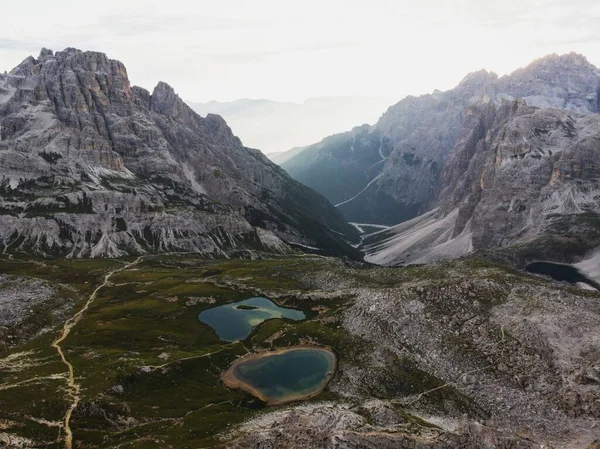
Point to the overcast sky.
(292, 50)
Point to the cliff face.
(514, 174)
(531, 164)
(417, 135)
(92, 166)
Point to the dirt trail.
(73, 387)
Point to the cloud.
(292, 50)
(583, 39)
(129, 25)
(251, 56)
(16, 45)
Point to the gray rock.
(91, 166)
(515, 173)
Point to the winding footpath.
(73, 387)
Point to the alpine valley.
(163, 286)
(491, 163)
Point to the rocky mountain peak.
(218, 124)
(78, 60)
(566, 81)
(556, 69)
(91, 167)
(563, 61)
(24, 67)
(398, 164)
(164, 87)
(478, 78)
(45, 53)
(165, 100)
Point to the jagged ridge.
(516, 173)
(92, 166)
(395, 167)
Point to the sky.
(291, 50)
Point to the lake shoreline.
(561, 272)
(236, 321)
(230, 379)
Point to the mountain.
(519, 177)
(282, 156)
(275, 126)
(392, 172)
(91, 166)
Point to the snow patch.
(375, 179)
(13, 183)
(312, 248)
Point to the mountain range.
(494, 162)
(480, 352)
(94, 167)
(91, 166)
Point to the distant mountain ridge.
(276, 126)
(91, 166)
(392, 171)
(505, 164)
(283, 156)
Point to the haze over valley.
(276, 127)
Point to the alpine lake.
(235, 322)
(274, 377)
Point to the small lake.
(235, 322)
(283, 376)
(561, 272)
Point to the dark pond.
(561, 272)
(235, 322)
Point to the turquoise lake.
(287, 376)
(235, 322)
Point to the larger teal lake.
(235, 322)
(283, 376)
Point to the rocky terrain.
(393, 171)
(463, 354)
(515, 174)
(517, 359)
(91, 166)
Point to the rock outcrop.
(515, 173)
(91, 166)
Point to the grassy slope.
(150, 310)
